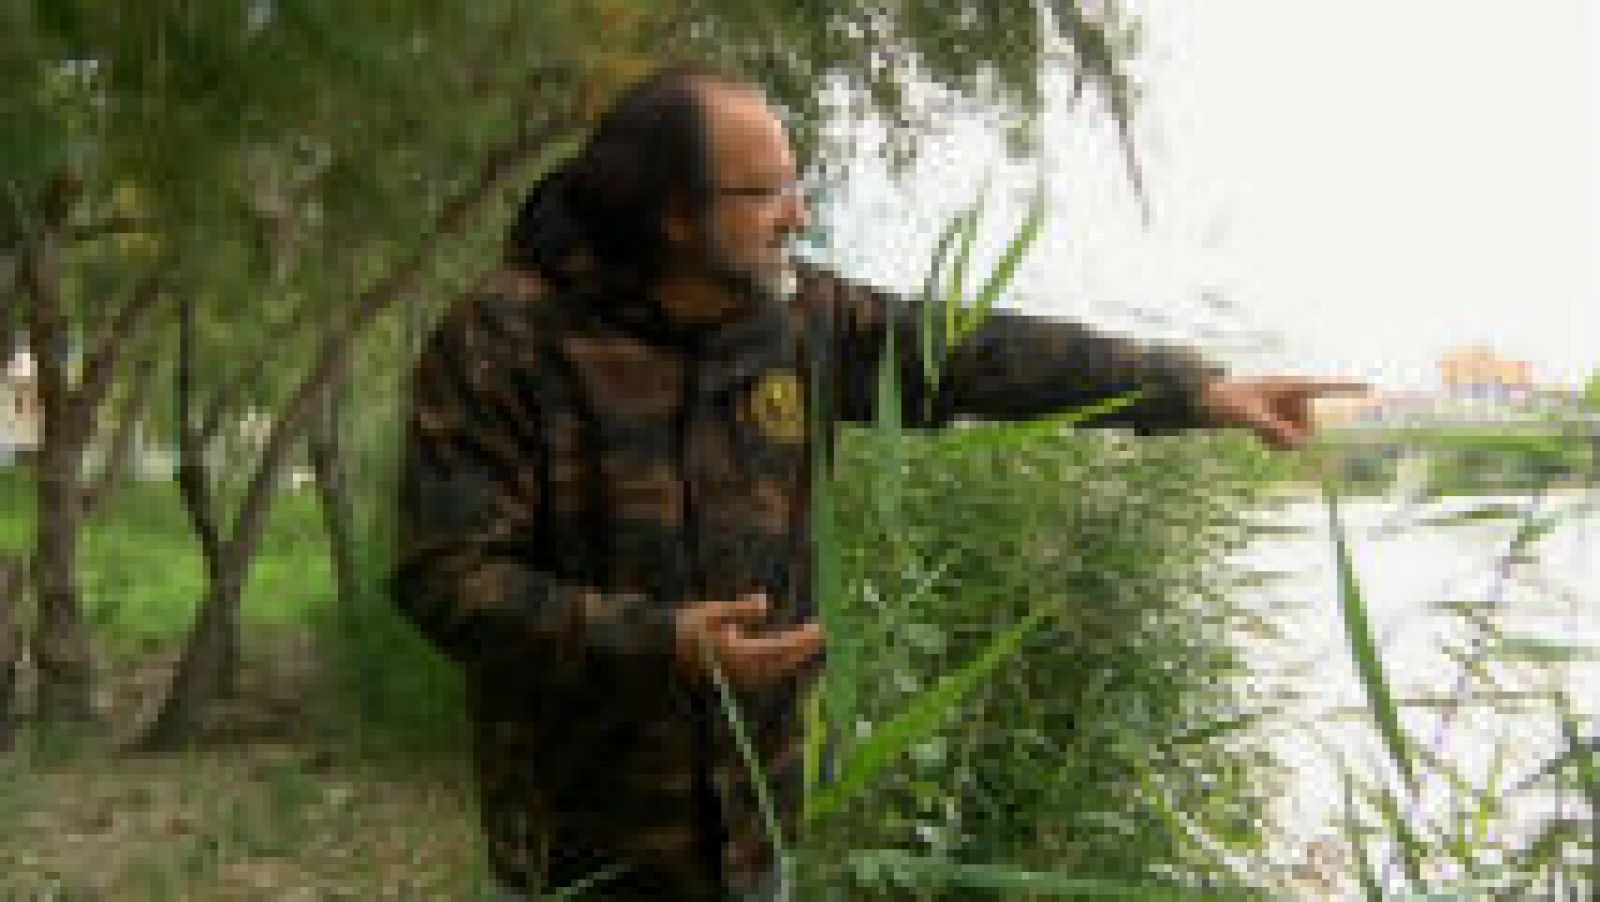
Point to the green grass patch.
(141, 574)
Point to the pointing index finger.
(1332, 386)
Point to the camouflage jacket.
(575, 469)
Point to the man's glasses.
(765, 193)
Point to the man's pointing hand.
(1277, 408)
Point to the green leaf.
(1534, 528)
(918, 721)
(1218, 728)
(1179, 824)
(1364, 650)
(1488, 802)
(1005, 271)
(887, 432)
(1413, 852)
(877, 867)
(931, 300)
(1496, 511)
(992, 436)
(816, 727)
(1543, 651)
(1371, 887)
(1583, 754)
(577, 889)
(955, 292)
(841, 679)
(730, 710)
(1544, 852)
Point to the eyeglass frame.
(792, 188)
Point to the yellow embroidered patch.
(777, 406)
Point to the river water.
(1431, 592)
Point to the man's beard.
(749, 286)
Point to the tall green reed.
(887, 732)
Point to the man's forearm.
(1017, 367)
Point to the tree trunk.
(61, 642)
(13, 576)
(329, 465)
(208, 667)
(61, 645)
(8, 316)
(207, 671)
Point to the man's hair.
(648, 155)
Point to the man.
(606, 477)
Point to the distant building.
(1477, 372)
(1478, 386)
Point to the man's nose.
(796, 216)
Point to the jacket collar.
(723, 352)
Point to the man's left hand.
(1276, 408)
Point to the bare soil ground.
(260, 808)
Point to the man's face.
(756, 206)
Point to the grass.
(140, 572)
(256, 820)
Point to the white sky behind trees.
(1363, 184)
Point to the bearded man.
(607, 469)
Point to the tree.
(69, 422)
(186, 108)
(289, 173)
(11, 583)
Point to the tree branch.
(224, 398)
(114, 341)
(192, 475)
(111, 225)
(333, 358)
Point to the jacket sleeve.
(1014, 367)
(467, 573)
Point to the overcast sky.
(1363, 183)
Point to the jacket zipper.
(712, 828)
(691, 387)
